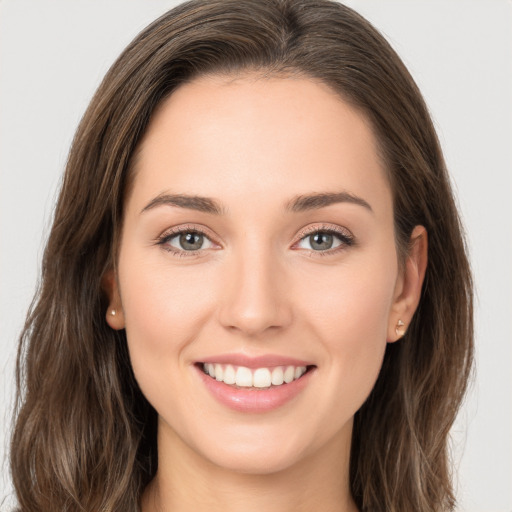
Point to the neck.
(185, 481)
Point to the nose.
(255, 298)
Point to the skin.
(259, 287)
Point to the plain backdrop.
(53, 54)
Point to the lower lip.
(254, 399)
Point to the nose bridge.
(254, 296)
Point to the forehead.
(262, 139)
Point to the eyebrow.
(298, 203)
(199, 203)
(318, 200)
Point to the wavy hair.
(84, 436)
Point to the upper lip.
(263, 361)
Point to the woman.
(255, 292)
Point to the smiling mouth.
(256, 378)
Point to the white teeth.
(229, 375)
(289, 374)
(277, 376)
(258, 378)
(243, 377)
(262, 378)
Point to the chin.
(254, 462)
(261, 449)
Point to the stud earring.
(113, 312)
(399, 328)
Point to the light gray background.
(53, 55)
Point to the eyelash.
(346, 239)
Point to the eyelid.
(186, 228)
(344, 232)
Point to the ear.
(408, 285)
(114, 314)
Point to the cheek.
(349, 313)
(163, 312)
(351, 304)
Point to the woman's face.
(258, 236)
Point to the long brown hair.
(85, 436)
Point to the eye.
(185, 240)
(326, 240)
(191, 241)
